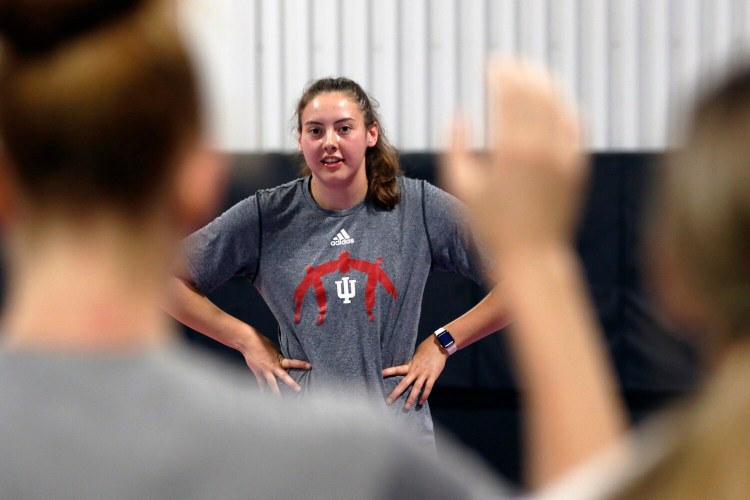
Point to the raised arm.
(524, 201)
(190, 307)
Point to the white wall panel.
(563, 42)
(654, 105)
(414, 83)
(297, 70)
(326, 42)
(593, 88)
(685, 53)
(624, 76)
(533, 29)
(273, 112)
(224, 38)
(503, 26)
(442, 87)
(385, 68)
(354, 41)
(715, 34)
(472, 56)
(633, 64)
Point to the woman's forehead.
(332, 103)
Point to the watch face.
(445, 338)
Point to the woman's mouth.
(332, 162)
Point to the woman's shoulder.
(420, 186)
(409, 186)
(283, 194)
(425, 193)
(294, 186)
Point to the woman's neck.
(339, 196)
(89, 288)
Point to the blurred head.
(99, 107)
(352, 128)
(700, 232)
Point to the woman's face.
(334, 139)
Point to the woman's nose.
(329, 143)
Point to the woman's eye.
(345, 129)
(314, 131)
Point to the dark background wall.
(477, 398)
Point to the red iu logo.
(314, 275)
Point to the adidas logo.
(342, 238)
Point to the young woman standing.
(103, 169)
(341, 256)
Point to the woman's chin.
(338, 175)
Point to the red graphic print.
(313, 278)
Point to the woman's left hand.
(420, 372)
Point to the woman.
(341, 256)
(103, 170)
(525, 201)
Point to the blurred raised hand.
(527, 191)
(524, 199)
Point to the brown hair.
(702, 202)
(381, 160)
(702, 215)
(707, 455)
(98, 99)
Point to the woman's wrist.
(244, 338)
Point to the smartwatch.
(446, 340)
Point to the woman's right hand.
(267, 363)
(189, 306)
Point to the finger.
(288, 380)
(400, 388)
(459, 167)
(501, 81)
(396, 370)
(522, 105)
(295, 363)
(271, 381)
(426, 390)
(414, 394)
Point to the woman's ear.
(201, 185)
(372, 134)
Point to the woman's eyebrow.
(314, 122)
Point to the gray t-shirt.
(168, 424)
(345, 286)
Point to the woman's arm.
(429, 359)
(488, 316)
(572, 405)
(190, 307)
(524, 202)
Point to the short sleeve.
(453, 245)
(228, 246)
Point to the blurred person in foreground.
(525, 200)
(103, 171)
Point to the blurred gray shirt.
(171, 424)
